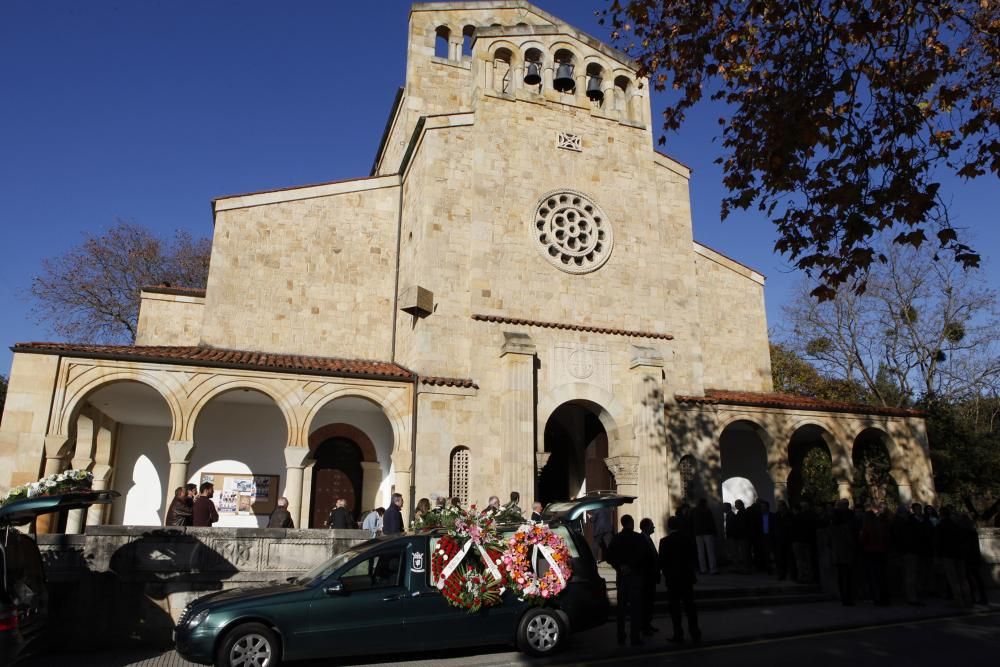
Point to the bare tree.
(90, 293)
(921, 329)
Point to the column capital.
(56, 446)
(624, 468)
(180, 450)
(295, 457)
(515, 342)
(81, 464)
(101, 472)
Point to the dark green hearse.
(378, 598)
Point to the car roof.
(20, 512)
(571, 510)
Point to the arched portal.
(744, 464)
(131, 424)
(577, 444)
(811, 477)
(239, 441)
(351, 444)
(336, 474)
(873, 482)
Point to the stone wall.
(169, 319)
(120, 584)
(306, 272)
(733, 333)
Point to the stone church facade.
(512, 300)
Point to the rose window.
(572, 232)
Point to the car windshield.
(324, 570)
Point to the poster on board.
(243, 493)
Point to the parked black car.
(378, 598)
(24, 597)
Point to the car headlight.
(197, 619)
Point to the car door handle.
(391, 598)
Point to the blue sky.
(148, 109)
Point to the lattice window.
(572, 232)
(687, 469)
(458, 478)
(570, 142)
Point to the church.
(512, 300)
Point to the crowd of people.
(918, 550)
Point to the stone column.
(517, 416)
(295, 459)
(649, 433)
(844, 491)
(371, 477)
(75, 518)
(180, 455)
(779, 476)
(56, 450)
(626, 472)
(102, 479)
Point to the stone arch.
(390, 406)
(841, 467)
(612, 413)
(515, 50)
(75, 397)
(874, 484)
(235, 384)
(891, 446)
(742, 466)
(468, 34)
(348, 431)
(441, 41)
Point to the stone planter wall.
(121, 584)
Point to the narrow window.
(687, 468)
(458, 478)
(467, 33)
(441, 46)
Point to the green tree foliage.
(816, 470)
(965, 450)
(90, 293)
(841, 114)
(794, 375)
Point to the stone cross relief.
(580, 362)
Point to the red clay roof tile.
(216, 357)
(435, 381)
(791, 401)
(572, 327)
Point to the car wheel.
(249, 645)
(541, 632)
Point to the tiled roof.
(222, 358)
(435, 381)
(178, 291)
(571, 327)
(791, 401)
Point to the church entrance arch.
(577, 445)
(336, 474)
(743, 455)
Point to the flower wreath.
(523, 549)
(466, 563)
(67, 481)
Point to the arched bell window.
(533, 68)
(442, 46)
(467, 33)
(595, 82)
(502, 59)
(458, 475)
(562, 76)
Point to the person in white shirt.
(373, 521)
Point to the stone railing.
(119, 584)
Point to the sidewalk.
(719, 627)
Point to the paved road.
(869, 636)
(968, 641)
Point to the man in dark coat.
(629, 555)
(650, 577)
(280, 518)
(536, 511)
(392, 520)
(180, 499)
(603, 530)
(677, 562)
(340, 517)
(205, 513)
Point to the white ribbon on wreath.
(547, 553)
(460, 556)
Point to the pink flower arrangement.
(521, 547)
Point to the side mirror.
(334, 588)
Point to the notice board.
(243, 493)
